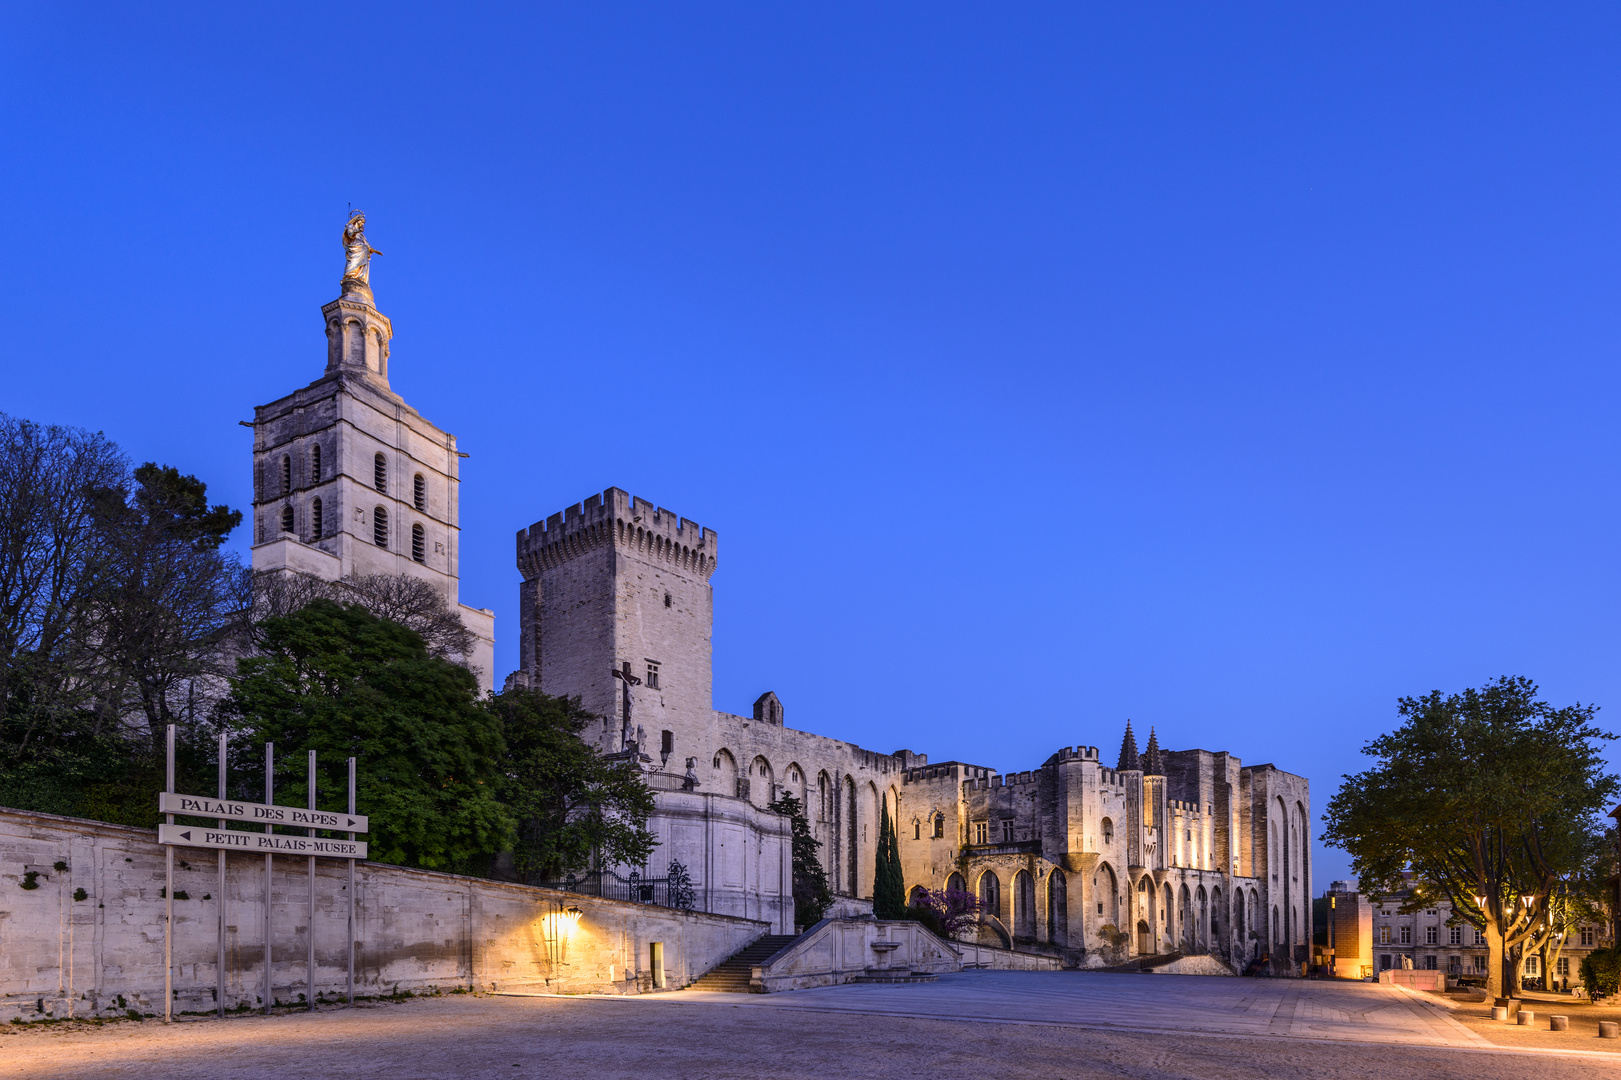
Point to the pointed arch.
(1057, 908)
(1024, 905)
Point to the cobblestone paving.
(1354, 1012)
(806, 1035)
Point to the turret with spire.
(1153, 757)
(1129, 758)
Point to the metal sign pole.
(168, 892)
(219, 958)
(310, 976)
(351, 890)
(270, 798)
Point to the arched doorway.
(955, 883)
(1145, 939)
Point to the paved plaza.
(1023, 1024)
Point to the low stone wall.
(88, 939)
(835, 951)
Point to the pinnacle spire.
(1129, 758)
(1153, 757)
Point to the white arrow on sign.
(259, 813)
(260, 843)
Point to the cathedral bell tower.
(348, 479)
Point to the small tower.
(1153, 757)
(1129, 758)
(349, 480)
(768, 708)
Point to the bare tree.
(52, 563)
(400, 598)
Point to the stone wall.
(100, 952)
(835, 951)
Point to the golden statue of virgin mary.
(357, 256)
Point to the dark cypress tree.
(888, 884)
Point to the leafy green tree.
(573, 807)
(342, 682)
(888, 882)
(1490, 796)
(811, 893)
(1601, 972)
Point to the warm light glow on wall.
(556, 930)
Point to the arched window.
(419, 492)
(315, 464)
(939, 826)
(380, 473)
(917, 829)
(379, 527)
(287, 519)
(990, 893)
(1108, 831)
(286, 474)
(419, 546)
(853, 869)
(317, 525)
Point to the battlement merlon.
(615, 517)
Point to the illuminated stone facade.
(1169, 851)
(349, 480)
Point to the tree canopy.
(1489, 797)
(342, 682)
(573, 807)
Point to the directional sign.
(259, 813)
(260, 843)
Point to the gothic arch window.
(379, 473)
(939, 826)
(852, 860)
(379, 527)
(315, 464)
(419, 493)
(316, 523)
(990, 893)
(286, 474)
(1024, 905)
(419, 544)
(823, 790)
(1108, 831)
(917, 829)
(287, 519)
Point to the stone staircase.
(732, 974)
(1144, 964)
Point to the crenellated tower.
(617, 584)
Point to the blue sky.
(1236, 369)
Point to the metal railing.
(610, 886)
